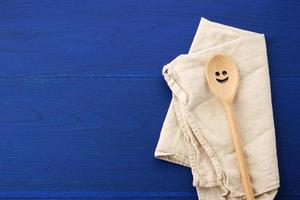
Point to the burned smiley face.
(221, 76)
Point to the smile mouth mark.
(222, 80)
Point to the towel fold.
(195, 132)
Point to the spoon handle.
(236, 138)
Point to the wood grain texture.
(63, 134)
(82, 98)
(114, 37)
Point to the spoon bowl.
(222, 77)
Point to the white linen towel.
(195, 132)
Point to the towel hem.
(171, 157)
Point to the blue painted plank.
(151, 198)
(99, 195)
(156, 198)
(81, 135)
(117, 38)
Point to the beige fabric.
(195, 132)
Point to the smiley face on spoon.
(221, 77)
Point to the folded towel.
(195, 132)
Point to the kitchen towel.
(195, 132)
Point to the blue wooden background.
(82, 99)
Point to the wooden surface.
(83, 100)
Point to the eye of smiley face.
(221, 77)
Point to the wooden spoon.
(223, 79)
